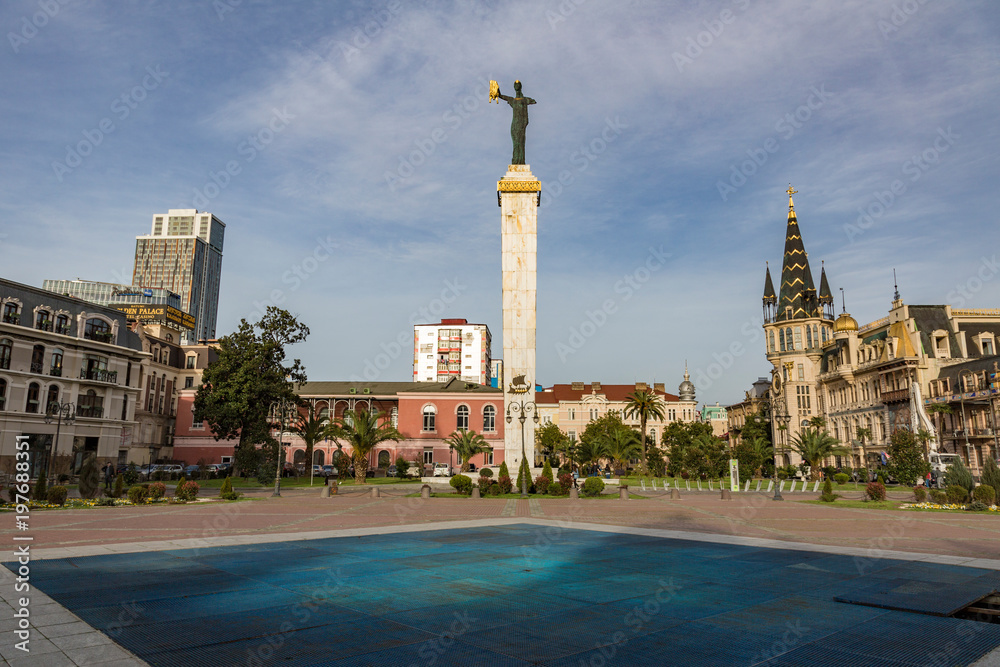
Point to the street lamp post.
(281, 407)
(780, 418)
(521, 409)
(57, 412)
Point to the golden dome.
(845, 323)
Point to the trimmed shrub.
(486, 472)
(524, 475)
(875, 491)
(593, 487)
(157, 490)
(920, 493)
(542, 483)
(131, 476)
(504, 483)
(976, 506)
(462, 484)
(956, 494)
(555, 489)
(880, 479)
(566, 481)
(958, 474)
(841, 477)
(493, 489)
(41, 492)
(827, 496)
(984, 494)
(503, 470)
(119, 490)
(137, 495)
(57, 495)
(781, 474)
(186, 490)
(938, 496)
(402, 468)
(547, 470)
(991, 475)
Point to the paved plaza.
(357, 580)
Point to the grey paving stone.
(95, 655)
(65, 629)
(38, 645)
(83, 640)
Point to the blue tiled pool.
(522, 595)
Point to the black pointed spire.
(798, 293)
(824, 288)
(769, 294)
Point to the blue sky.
(363, 161)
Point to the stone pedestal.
(425, 491)
(726, 494)
(518, 195)
(475, 492)
(623, 493)
(375, 492)
(574, 493)
(324, 492)
(675, 494)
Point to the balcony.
(36, 367)
(897, 396)
(13, 318)
(64, 330)
(100, 336)
(55, 372)
(90, 411)
(44, 326)
(99, 375)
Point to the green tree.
(467, 444)
(991, 475)
(623, 445)
(249, 374)
(958, 475)
(363, 431)
(682, 451)
(643, 404)
(550, 440)
(656, 461)
(814, 445)
(312, 430)
(752, 453)
(906, 458)
(591, 450)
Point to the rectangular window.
(489, 458)
(195, 423)
(798, 338)
(572, 413)
(428, 456)
(188, 382)
(571, 435)
(593, 414)
(802, 372)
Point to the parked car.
(442, 470)
(190, 470)
(329, 470)
(171, 469)
(215, 468)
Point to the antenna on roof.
(895, 297)
(843, 303)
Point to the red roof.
(613, 392)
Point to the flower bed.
(946, 506)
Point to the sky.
(350, 149)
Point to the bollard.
(623, 493)
(726, 494)
(324, 492)
(475, 492)
(425, 491)
(675, 494)
(334, 485)
(574, 493)
(375, 492)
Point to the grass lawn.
(294, 482)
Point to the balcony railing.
(64, 330)
(36, 367)
(99, 375)
(12, 319)
(55, 372)
(44, 326)
(897, 396)
(91, 411)
(100, 336)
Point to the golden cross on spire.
(790, 190)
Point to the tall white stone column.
(518, 192)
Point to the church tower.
(797, 324)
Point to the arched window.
(429, 412)
(317, 457)
(62, 324)
(55, 365)
(10, 313)
(52, 397)
(788, 338)
(809, 337)
(771, 336)
(97, 329)
(489, 419)
(781, 336)
(31, 406)
(823, 333)
(37, 355)
(43, 320)
(6, 345)
(324, 414)
(192, 359)
(3, 394)
(462, 418)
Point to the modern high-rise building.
(184, 255)
(451, 349)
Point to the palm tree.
(591, 450)
(643, 404)
(467, 444)
(363, 431)
(312, 430)
(863, 434)
(813, 446)
(924, 436)
(622, 445)
(817, 422)
(761, 449)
